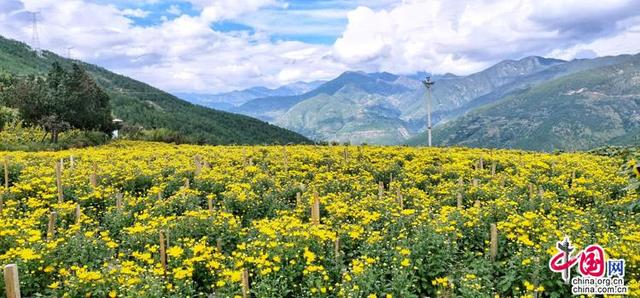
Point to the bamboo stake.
(93, 179)
(380, 190)
(163, 251)
(245, 162)
(285, 158)
(119, 202)
(62, 164)
(219, 244)
(573, 178)
(78, 213)
(159, 195)
(6, 173)
(459, 200)
(12, 281)
(481, 163)
(345, 154)
(59, 182)
(475, 182)
(246, 291)
(298, 199)
(198, 163)
(210, 204)
(187, 184)
(336, 249)
(493, 169)
(72, 162)
(51, 230)
(494, 242)
(540, 192)
(400, 199)
(315, 209)
(531, 190)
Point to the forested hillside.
(141, 105)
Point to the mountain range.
(532, 103)
(139, 104)
(385, 108)
(229, 100)
(583, 110)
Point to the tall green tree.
(60, 101)
(87, 105)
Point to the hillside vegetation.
(139, 104)
(384, 108)
(583, 110)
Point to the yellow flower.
(309, 256)
(405, 263)
(529, 286)
(175, 251)
(113, 294)
(54, 285)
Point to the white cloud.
(466, 36)
(175, 10)
(183, 52)
(138, 13)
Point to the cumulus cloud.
(182, 52)
(174, 9)
(466, 36)
(138, 13)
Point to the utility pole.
(428, 83)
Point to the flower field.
(136, 219)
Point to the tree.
(61, 101)
(87, 105)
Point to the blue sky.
(211, 46)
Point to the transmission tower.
(428, 83)
(69, 52)
(35, 39)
